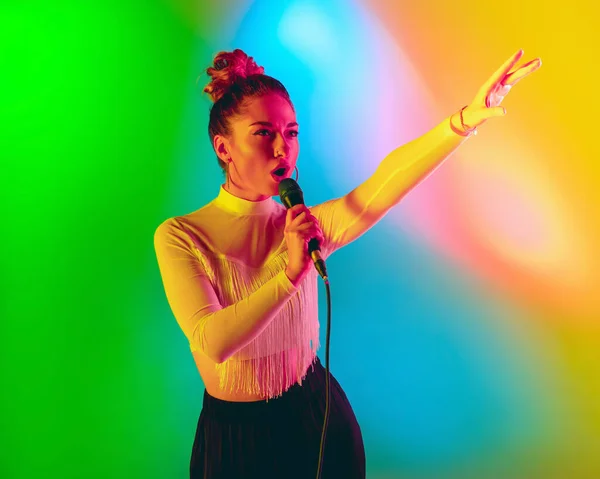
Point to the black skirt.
(279, 438)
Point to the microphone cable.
(291, 194)
(327, 385)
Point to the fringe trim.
(280, 356)
(270, 376)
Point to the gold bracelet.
(466, 131)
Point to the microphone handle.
(314, 251)
(313, 245)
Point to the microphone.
(291, 195)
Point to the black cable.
(327, 387)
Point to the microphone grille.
(286, 185)
(290, 192)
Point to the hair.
(235, 79)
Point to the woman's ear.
(221, 146)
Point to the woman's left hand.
(486, 103)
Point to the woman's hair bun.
(229, 68)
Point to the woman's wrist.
(459, 125)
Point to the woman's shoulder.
(194, 227)
(204, 215)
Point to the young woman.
(241, 285)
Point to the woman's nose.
(281, 147)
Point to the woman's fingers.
(303, 217)
(518, 74)
(298, 220)
(308, 228)
(495, 97)
(304, 224)
(500, 74)
(498, 85)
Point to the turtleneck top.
(223, 270)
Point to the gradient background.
(466, 325)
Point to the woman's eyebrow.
(267, 123)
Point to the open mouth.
(279, 174)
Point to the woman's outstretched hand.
(486, 103)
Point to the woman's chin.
(274, 190)
(275, 184)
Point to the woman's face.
(262, 149)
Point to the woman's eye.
(292, 133)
